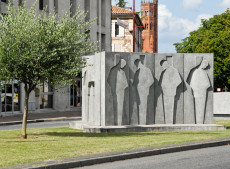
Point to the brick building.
(149, 15)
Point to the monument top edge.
(147, 53)
(140, 53)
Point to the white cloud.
(113, 2)
(164, 16)
(172, 29)
(168, 22)
(192, 4)
(225, 3)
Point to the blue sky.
(179, 17)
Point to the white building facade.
(122, 38)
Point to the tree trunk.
(25, 115)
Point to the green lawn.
(62, 142)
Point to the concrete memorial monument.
(146, 92)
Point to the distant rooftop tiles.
(118, 10)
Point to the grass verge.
(63, 142)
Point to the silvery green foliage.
(43, 46)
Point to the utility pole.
(134, 14)
(134, 26)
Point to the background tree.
(121, 3)
(212, 37)
(35, 47)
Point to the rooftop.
(119, 10)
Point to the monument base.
(88, 128)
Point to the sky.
(179, 17)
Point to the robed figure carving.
(170, 81)
(200, 83)
(145, 81)
(118, 83)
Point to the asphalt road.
(37, 125)
(208, 158)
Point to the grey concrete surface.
(88, 127)
(38, 125)
(144, 80)
(221, 103)
(45, 116)
(148, 89)
(194, 100)
(209, 158)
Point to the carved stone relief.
(91, 100)
(170, 81)
(118, 86)
(133, 94)
(200, 83)
(143, 89)
(143, 80)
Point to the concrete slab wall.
(146, 89)
(221, 103)
(61, 99)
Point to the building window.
(46, 96)
(116, 29)
(147, 26)
(103, 42)
(56, 6)
(10, 97)
(151, 13)
(87, 9)
(103, 12)
(41, 4)
(151, 26)
(73, 7)
(98, 41)
(76, 94)
(98, 15)
(20, 2)
(3, 0)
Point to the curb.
(121, 155)
(39, 121)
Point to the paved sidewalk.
(41, 117)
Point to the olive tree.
(35, 47)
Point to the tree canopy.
(212, 37)
(42, 47)
(121, 3)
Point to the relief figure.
(170, 81)
(200, 83)
(118, 83)
(144, 82)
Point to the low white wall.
(221, 102)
